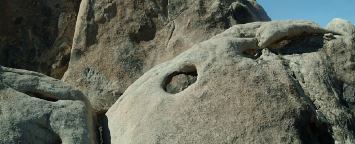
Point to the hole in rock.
(180, 80)
(42, 96)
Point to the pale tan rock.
(117, 41)
(342, 26)
(327, 77)
(288, 95)
(229, 102)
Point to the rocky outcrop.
(37, 34)
(116, 41)
(172, 71)
(38, 109)
(263, 82)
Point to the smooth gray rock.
(38, 109)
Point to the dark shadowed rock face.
(37, 34)
(119, 40)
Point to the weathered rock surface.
(247, 90)
(37, 34)
(230, 82)
(38, 109)
(116, 41)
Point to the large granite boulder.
(116, 41)
(38, 109)
(262, 82)
(37, 34)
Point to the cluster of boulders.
(177, 71)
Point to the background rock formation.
(294, 91)
(116, 41)
(37, 34)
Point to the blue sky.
(320, 11)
